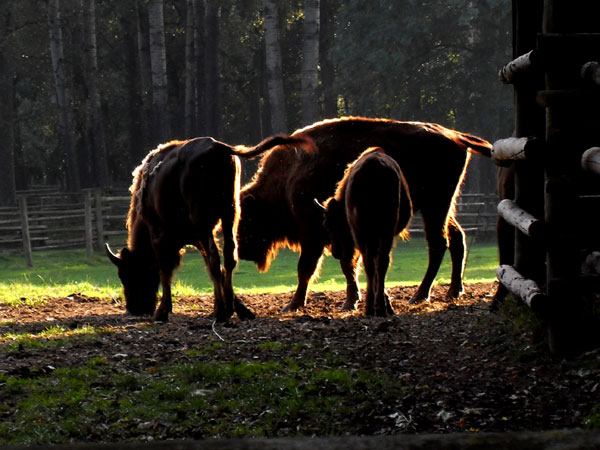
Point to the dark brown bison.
(278, 208)
(181, 192)
(371, 206)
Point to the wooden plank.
(25, 227)
(89, 232)
(99, 219)
(569, 98)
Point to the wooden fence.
(555, 159)
(46, 220)
(49, 220)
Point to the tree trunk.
(274, 73)
(136, 127)
(211, 67)
(158, 63)
(310, 62)
(63, 99)
(326, 38)
(145, 80)
(97, 141)
(7, 120)
(200, 82)
(190, 68)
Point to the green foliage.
(593, 421)
(421, 59)
(425, 61)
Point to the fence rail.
(46, 220)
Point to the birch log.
(519, 218)
(590, 160)
(590, 72)
(524, 63)
(513, 148)
(526, 289)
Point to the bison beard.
(180, 194)
(278, 204)
(371, 206)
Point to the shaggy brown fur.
(371, 206)
(278, 207)
(180, 194)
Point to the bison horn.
(319, 204)
(114, 258)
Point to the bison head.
(336, 225)
(140, 278)
(254, 241)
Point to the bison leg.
(169, 260)
(210, 252)
(166, 304)
(350, 271)
(458, 250)
(371, 283)
(505, 235)
(310, 259)
(232, 302)
(382, 302)
(436, 244)
(505, 232)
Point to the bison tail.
(475, 144)
(299, 141)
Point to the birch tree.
(273, 63)
(326, 40)
(158, 63)
(211, 66)
(190, 68)
(63, 98)
(145, 79)
(97, 141)
(310, 61)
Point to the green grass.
(231, 399)
(62, 273)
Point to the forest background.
(88, 87)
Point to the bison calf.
(180, 194)
(370, 208)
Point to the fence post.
(99, 219)
(25, 231)
(89, 233)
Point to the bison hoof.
(243, 312)
(221, 317)
(454, 294)
(160, 316)
(416, 300)
(291, 307)
(349, 306)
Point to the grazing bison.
(371, 206)
(278, 207)
(180, 193)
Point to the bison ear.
(114, 258)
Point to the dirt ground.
(472, 370)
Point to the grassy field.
(61, 273)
